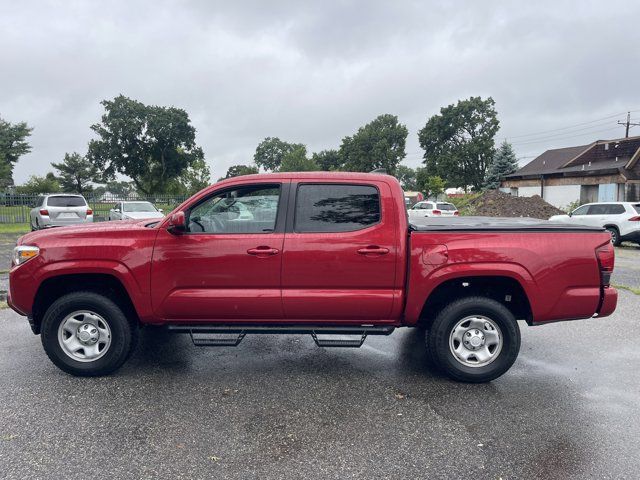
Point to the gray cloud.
(315, 73)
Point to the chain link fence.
(16, 208)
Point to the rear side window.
(615, 209)
(66, 202)
(336, 208)
(636, 207)
(446, 206)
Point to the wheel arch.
(56, 286)
(504, 289)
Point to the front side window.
(250, 209)
(336, 208)
(581, 210)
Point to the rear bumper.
(46, 222)
(609, 302)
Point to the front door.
(340, 253)
(227, 265)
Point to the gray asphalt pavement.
(279, 407)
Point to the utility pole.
(628, 124)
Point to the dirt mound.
(495, 203)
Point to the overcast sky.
(314, 74)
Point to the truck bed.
(432, 224)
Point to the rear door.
(340, 252)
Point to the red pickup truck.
(328, 254)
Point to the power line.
(570, 126)
(565, 136)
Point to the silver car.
(60, 210)
(137, 210)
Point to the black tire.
(124, 334)
(438, 337)
(615, 235)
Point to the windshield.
(139, 207)
(68, 201)
(446, 206)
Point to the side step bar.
(209, 335)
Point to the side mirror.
(570, 214)
(177, 223)
(116, 210)
(160, 210)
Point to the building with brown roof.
(603, 171)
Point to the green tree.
(296, 161)
(407, 178)
(238, 170)
(459, 143)
(328, 160)
(271, 152)
(192, 180)
(151, 145)
(40, 185)
(504, 163)
(76, 173)
(422, 179)
(120, 188)
(379, 144)
(434, 186)
(13, 144)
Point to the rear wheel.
(615, 235)
(474, 339)
(87, 334)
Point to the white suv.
(621, 219)
(433, 209)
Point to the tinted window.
(636, 207)
(336, 208)
(446, 206)
(251, 209)
(600, 209)
(66, 202)
(615, 209)
(139, 207)
(581, 210)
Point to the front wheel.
(474, 339)
(87, 334)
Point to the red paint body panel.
(315, 277)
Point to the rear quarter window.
(336, 208)
(636, 207)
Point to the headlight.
(24, 253)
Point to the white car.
(135, 210)
(433, 209)
(621, 219)
(60, 210)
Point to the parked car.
(134, 210)
(433, 209)
(621, 219)
(320, 253)
(60, 210)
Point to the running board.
(209, 335)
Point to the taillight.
(436, 212)
(44, 212)
(606, 261)
(89, 211)
(456, 213)
(635, 219)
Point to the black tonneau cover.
(494, 224)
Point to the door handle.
(263, 251)
(373, 250)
